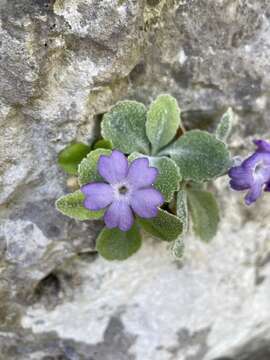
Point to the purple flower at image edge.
(254, 173)
(128, 190)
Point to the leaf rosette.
(184, 160)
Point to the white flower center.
(258, 167)
(122, 191)
(258, 171)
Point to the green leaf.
(169, 177)
(182, 212)
(124, 126)
(70, 157)
(204, 213)
(88, 171)
(163, 120)
(199, 155)
(178, 247)
(72, 206)
(114, 244)
(102, 144)
(182, 208)
(164, 226)
(225, 125)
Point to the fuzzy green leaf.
(199, 155)
(163, 120)
(114, 244)
(204, 213)
(169, 176)
(102, 144)
(182, 208)
(124, 126)
(72, 206)
(225, 125)
(70, 157)
(178, 245)
(88, 171)
(164, 226)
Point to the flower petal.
(262, 145)
(140, 175)
(113, 168)
(238, 186)
(145, 202)
(256, 158)
(254, 193)
(119, 215)
(241, 177)
(98, 195)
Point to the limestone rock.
(63, 63)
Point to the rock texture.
(62, 64)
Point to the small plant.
(147, 173)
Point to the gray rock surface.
(62, 64)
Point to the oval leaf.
(102, 144)
(163, 120)
(169, 176)
(72, 206)
(88, 171)
(199, 155)
(124, 126)
(70, 157)
(204, 213)
(114, 244)
(224, 127)
(164, 226)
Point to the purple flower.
(127, 190)
(254, 173)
